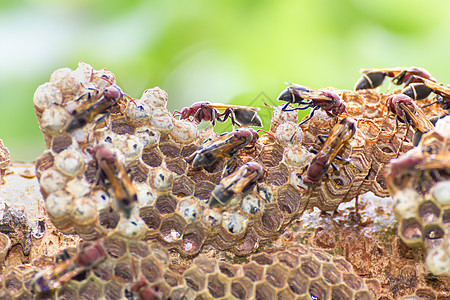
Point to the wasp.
(241, 181)
(423, 89)
(144, 292)
(341, 133)
(209, 112)
(55, 276)
(111, 168)
(373, 78)
(98, 106)
(307, 97)
(227, 144)
(407, 111)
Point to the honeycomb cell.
(152, 157)
(263, 259)
(433, 236)
(320, 290)
(429, 212)
(113, 290)
(321, 255)
(151, 270)
(264, 291)
(206, 264)
(195, 279)
(253, 271)
(252, 205)
(177, 165)
(352, 281)
(288, 199)
(193, 238)
(228, 269)
(272, 219)
(297, 281)
(90, 290)
(172, 278)
(121, 126)
(276, 275)
(189, 209)
(166, 204)
(138, 248)
(183, 186)
(124, 270)
(138, 172)
(331, 274)
(410, 230)
(278, 175)
(363, 295)
(234, 223)
(285, 294)
(341, 292)
(170, 150)
(61, 142)
(242, 288)
(217, 285)
(115, 247)
(446, 219)
(104, 270)
(287, 259)
(67, 291)
(203, 189)
(172, 228)
(271, 155)
(151, 217)
(13, 281)
(310, 266)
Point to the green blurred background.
(231, 51)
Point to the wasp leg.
(231, 165)
(311, 114)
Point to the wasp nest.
(420, 184)
(4, 159)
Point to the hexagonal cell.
(152, 157)
(44, 162)
(203, 189)
(271, 155)
(228, 269)
(234, 223)
(115, 247)
(193, 238)
(352, 281)
(183, 186)
(113, 290)
(446, 219)
(67, 291)
(342, 264)
(331, 274)
(278, 175)
(61, 142)
(166, 204)
(288, 199)
(341, 291)
(138, 248)
(177, 165)
(297, 281)
(363, 295)
(321, 255)
(429, 212)
(217, 285)
(195, 279)
(151, 217)
(287, 259)
(124, 270)
(285, 294)
(310, 266)
(272, 219)
(205, 264)
(318, 289)
(218, 165)
(104, 270)
(121, 126)
(264, 291)
(171, 278)
(410, 230)
(241, 288)
(24, 295)
(253, 271)
(276, 275)
(151, 269)
(13, 281)
(170, 149)
(433, 236)
(109, 218)
(188, 150)
(138, 172)
(90, 290)
(4, 295)
(262, 259)
(425, 294)
(172, 228)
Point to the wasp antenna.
(107, 80)
(266, 133)
(268, 105)
(129, 98)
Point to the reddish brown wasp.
(407, 111)
(124, 190)
(209, 112)
(56, 275)
(373, 78)
(341, 133)
(142, 289)
(307, 97)
(227, 144)
(423, 89)
(241, 181)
